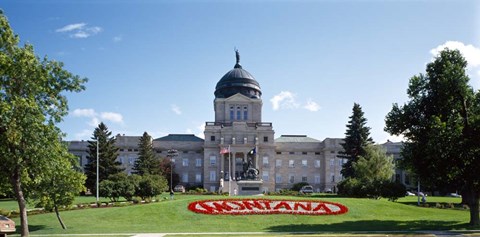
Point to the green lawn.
(173, 216)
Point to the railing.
(229, 124)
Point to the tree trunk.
(16, 183)
(59, 218)
(473, 203)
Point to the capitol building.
(238, 136)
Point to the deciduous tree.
(32, 101)
(441, 122)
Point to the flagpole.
(229, 174)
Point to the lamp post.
(171, 153)
(97, 170)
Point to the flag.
(253, 151)
(224, 150)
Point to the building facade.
(238, 136)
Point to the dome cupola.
(236, 81)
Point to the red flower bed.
(266, 206)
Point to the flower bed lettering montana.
(266, 206)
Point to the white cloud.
(470, 52)
(94, 122)
(80, 30)
(312, 106)
(114, 117)
(71, 27)
(201, 129)
(176, 109)
(284, 100)
(189, 131)
(83, 135)
(84, 113)
(117, 38)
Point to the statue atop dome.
(237, 56)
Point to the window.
(213, 189)
(265, 175)
(332, 162)
(279, 152)
(185, 162)
(304, 163)
(213, 175)
(212, 138)
(131, 160)
(333, 176)
(317, 179)
(239, 113)
(245, 113)
(291, 163)
(198, 178)
(317, 153)
(172, 160)
(231, 113)
(185, 152)
(278, 178)
(304, 153)
(333, 152)
(304, 178)
(213, 160)
(198, 162)
(317, 163)
(278, 163)
(265, 139)
(291, 178)
(185, 177)
(292, 153)
(340, 162)
(265, 160)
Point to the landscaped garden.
(170, 216)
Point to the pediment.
(239, 97)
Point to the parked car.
(328, 190)
(306, 189)
(6, 226)
(179, 188)
(454, 195)
(409, 194)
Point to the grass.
(172, 216)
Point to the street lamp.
(97, 170)
(171, 153)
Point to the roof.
(180, 138)
(237, 80)
(295, 138)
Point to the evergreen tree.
(357, 138)
(147, 162)
(108, 153)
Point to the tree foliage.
(357, 138)
(32, 101)
(59, 185)
(150, 186)
(167, 167)
(374, 172)
(441, 122)
(147, 162)
(108, 153)
(119, 185)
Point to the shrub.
(393, 190)
(150, 186)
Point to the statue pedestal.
(249, 187)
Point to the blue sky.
(153, 65)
